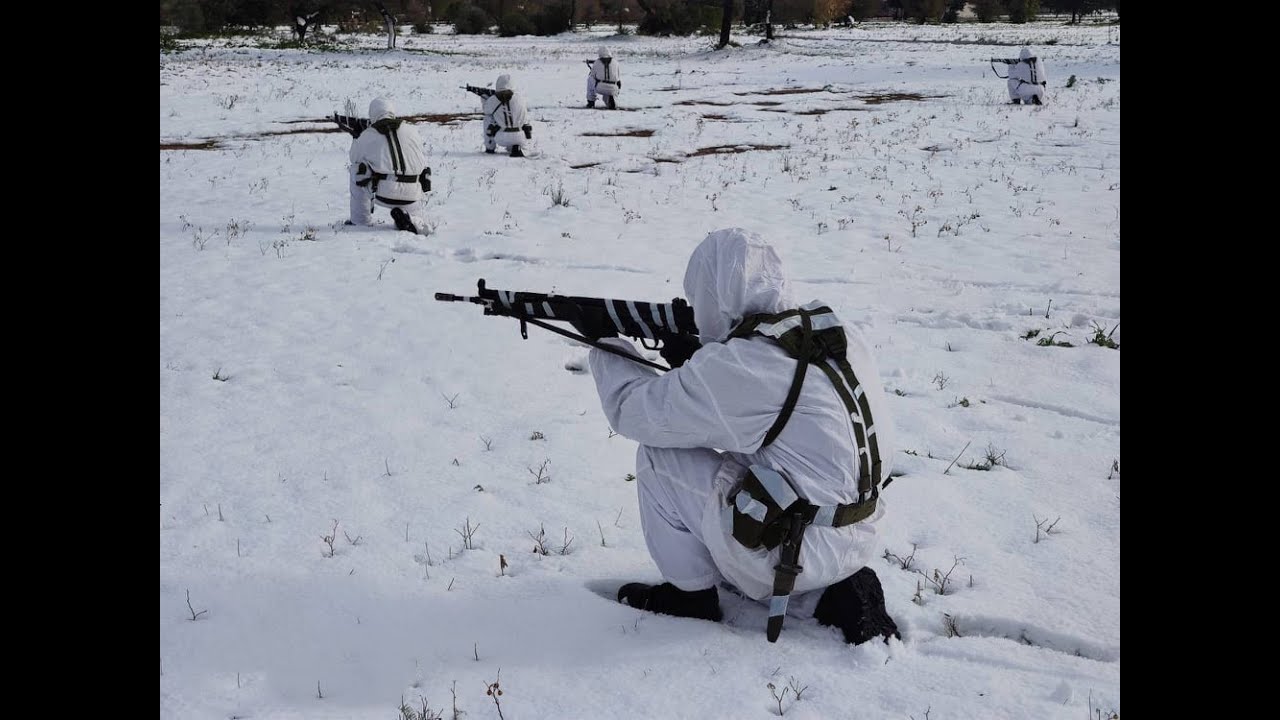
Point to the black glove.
(619, 84)
(592, 323)
(492, 129)
(677, 349)
(528, 132)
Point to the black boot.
(1015, 101)
(1036, 99)
(667, 599)
(591, 103)
(516, 151)
(489, 150)
(856, 606)
(610, 102)
(402, 220)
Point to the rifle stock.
(352, 125)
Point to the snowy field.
(308, 378)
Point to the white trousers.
(604, 88)
(505, 139)
(363, 200)
(682, 514)
(1024, 91)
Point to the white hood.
(1024, 53)
(380, 109)
(503, 83)
(733, 273)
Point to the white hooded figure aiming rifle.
(605, 79)
(506, 121)
(761, 453)
(388, 168)
(1026, 78)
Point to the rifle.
(482, 92)
(1010, 61)
(590, 63)
(351, 124)
(650, 323)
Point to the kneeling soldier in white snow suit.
(605, 79)
(1027, 80)
(506, 122)
(749, 470)
(388, 168)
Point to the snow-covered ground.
(308, 378)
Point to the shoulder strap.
(813, 334)
(797, 382)
(394, 150)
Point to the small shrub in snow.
(951, 626)
(330, 538)
(466, 532)
(914, 219)
(1102, 338)
(424, 712)
(540, 541)
(557, 194)
(1052, 341)
(494, 691)
(942, 583)
(195, 615)
(1042, 529)
(904, 563)
(564, 546)
(993, 457)
(793, 686)
(541, 475)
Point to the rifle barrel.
(449, 297)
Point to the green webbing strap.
(868, 423)
(854, 512)
(797, 382)
(798, 342)
(785, 572)
(859, 431)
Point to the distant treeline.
(549, 17)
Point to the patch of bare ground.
(621, 133)
(202, 145)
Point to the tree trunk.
(726, 20)
(390, 20)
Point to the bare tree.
(726, 21)
(390, 20)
